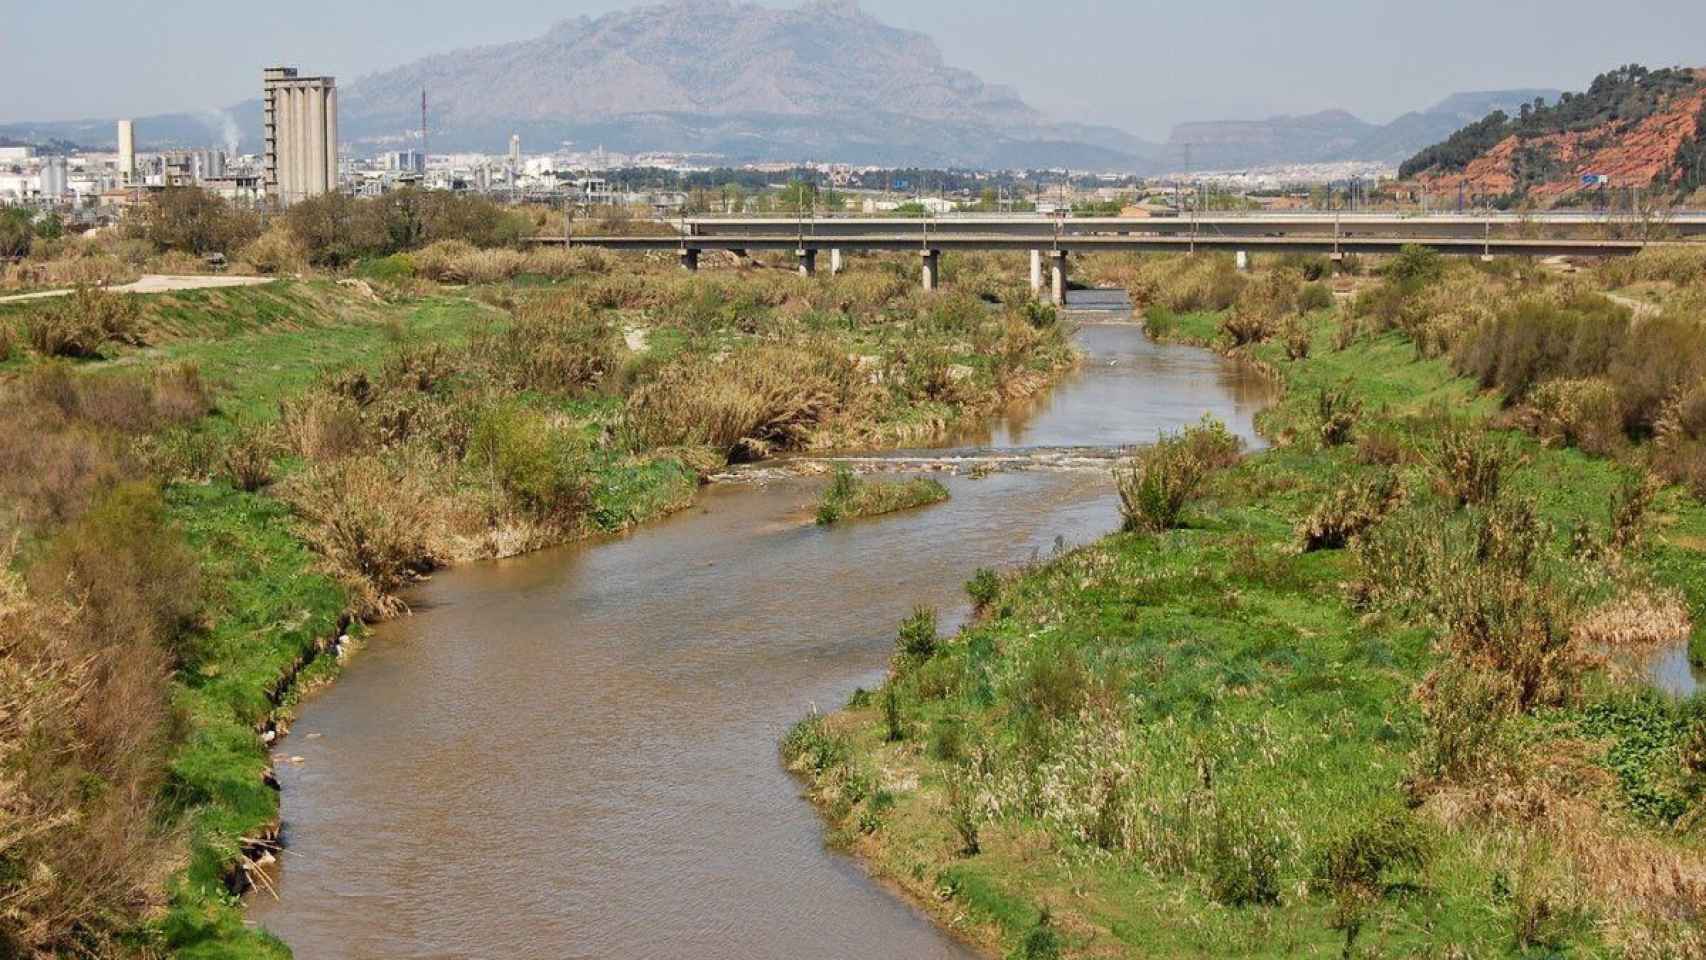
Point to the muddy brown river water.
(574, 754)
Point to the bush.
(1470, 465)
(758, 400)
(1297, 339)
(537, 466)
(1350, 509)
(917, 639)
(80, 324)
(1338, 413)
(9, 342)
(1244, 856)
(1630, 501)
(191, 220)
(1578, 412)
(375, 527)
(983, 587)
(1313, 297)
(1542, 338)
(323, 425)
(274, 252)
(1161, 480)
(248, 460)
(556, 344)
(134, 576)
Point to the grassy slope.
(1244, 658)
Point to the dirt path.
(153, 283)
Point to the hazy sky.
(1140, 65)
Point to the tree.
(16, 233)
(194, 221)
(334, 229)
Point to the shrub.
(1630, 501)
(129, 567)
(1470, 465)
(557, 344)
(896, 727)
(1337, 412)
(9, 342)
(375, 527)
(191, 220)
(917, 639)
(1313, 297)
(323, 425)
(983, 587)
(274, 252)
(536, 465)
(1244, 856)
(1040, 942)
(1354, 866)
(1297, 339)
(1465, 708)
(1161, 480)
(1351, 508)
(1540, 338)
(758, 400)
(80, 324)
(1578, 412)
(84, 725)
(963, 811)
(1380, 446)
(248, 460)
(1262, 308)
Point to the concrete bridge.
(1055, 251)
(1556, 225)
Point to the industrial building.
(127, 151)
(301, 135)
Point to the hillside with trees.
(1639, 127)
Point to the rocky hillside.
(1331, 135)
(823, 81)
(1640, 128)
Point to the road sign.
(1596, 180)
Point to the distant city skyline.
(1141, 66)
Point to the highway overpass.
(929, 243)
(1571, 225)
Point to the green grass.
(270, 610)
(254, 371)
(849, 497)
(1243, 678)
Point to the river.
(574, 754)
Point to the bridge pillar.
(1036, 274)
(932, 269)
(808, 261)
(1057, 275)
(689, 260)
(834, 261)
(1243, 261)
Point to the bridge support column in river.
(808, 261)
(1057, 275)
(835, 261)
(932, 269)
(1036, 274)
(689, 260)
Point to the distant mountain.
(1633, 126)
(824, 81)
(1331, 136)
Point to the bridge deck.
(1074, 243)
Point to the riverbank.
(1380, 692)
(318, 448)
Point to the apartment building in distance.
(300, 134)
